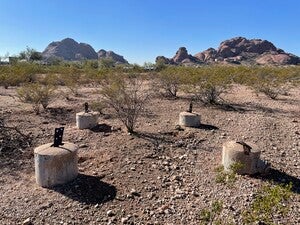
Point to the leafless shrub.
(126, 97)
(12, 141)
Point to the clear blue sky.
(140, 30)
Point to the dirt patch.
(160, 175)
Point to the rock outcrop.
(69, 49)
(278, 59)
(102, 54)
(208, 55)
(237, 50)
(181, 57)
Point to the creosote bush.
(208, 83)
(18, 73)
(170, 81)
(126, 96)
(36, 94)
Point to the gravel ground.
(158, 176)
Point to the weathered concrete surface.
(87, 120)
(235, 152)
(55, 165)
(188, 119)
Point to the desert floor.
(159, 175)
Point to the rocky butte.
(237, 50)
(70, 50)
(102, 54)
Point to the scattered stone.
(27, 222)
(83, 146)
(135, 193)
(179, 128)
(110, 213)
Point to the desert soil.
(158, 176)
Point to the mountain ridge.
(238, 50)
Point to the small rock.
(179, 128)
(110, 213)
(179, 143)
(83, 146)
(162, 209)
(27, 222)
(134, 193)
(124, 220)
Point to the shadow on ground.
(156, 138)
(87, 189)
(282, 178)
(102, 128)
(207, 127)
(252, 107)
(59, 114)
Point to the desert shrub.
(126, 97)
(36, 94)
(269, 90)
(207, 84)
(272, 81)
(209, 216)
(5, 79)
(71, 78)
(170, 80)
(51, 79)
(267, 83)
(106, 63)
(228, 177)
(18, 73)
(160, 65)
(91, 64)
(98, 106)
(12, 140)
(269, 201)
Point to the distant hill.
(71, 50)
(237, 50)
(102, 54)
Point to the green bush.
(36, 94)
(16, 74)
(206, 84)
(269, 201)
(228, 177)
(209, 216)
(170, 80)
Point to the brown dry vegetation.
(158, 175)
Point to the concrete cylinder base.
(234, 152)
(189, 119)
(55, 165)
(87, 120)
